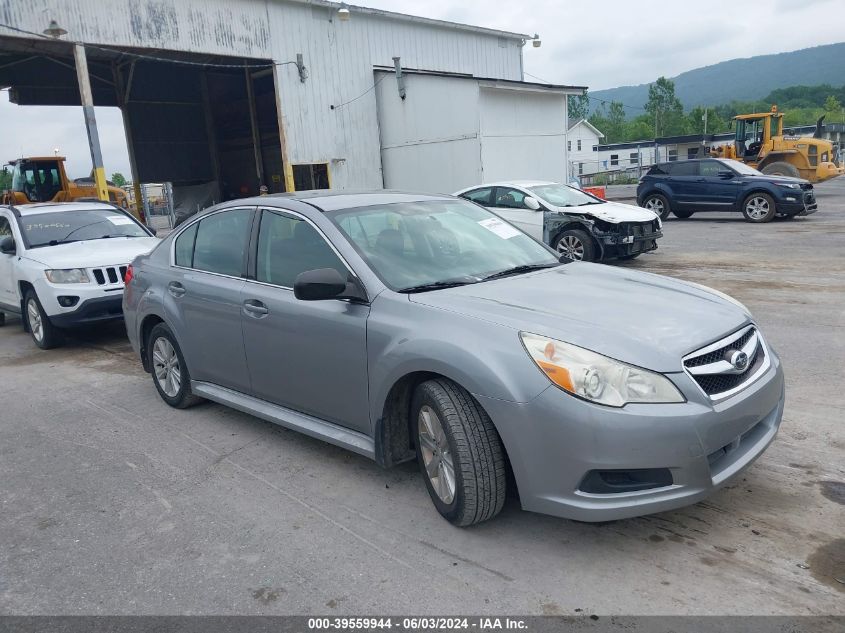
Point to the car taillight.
(128, 276)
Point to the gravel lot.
(111, 502)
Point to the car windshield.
(563, 196)
(741, 168)
(61, 227)
(418, 246)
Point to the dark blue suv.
(714, 184)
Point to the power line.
(367, 91)
(155, 58)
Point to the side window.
(509, 198)
(5, 228)
(184, 247)
(288, 246)
(221, 242)
(481, 196)
(710, 168)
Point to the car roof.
(47, 207)
(328, 200)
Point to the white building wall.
(523, 135)
(454, 132)
(339, 57)
(430, 140)
(585, 156)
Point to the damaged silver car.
(578, 225)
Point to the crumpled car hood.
(639, 318)
(614, 212)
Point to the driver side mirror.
(726, 174)
(7, 245)
(325, 283)
(531, 203)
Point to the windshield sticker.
(503, 230)
(41, 226)
(119, 220)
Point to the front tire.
(759, 208)
(459, 452)
(576, 245)
(44, 333)
(167, 366)
(782, 168)
(658, 204)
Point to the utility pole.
(704, 136)
(87, 99)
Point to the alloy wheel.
(655, 205)
(437, 457)
(34, 316)
(166, 367)
(571, 247)
(757, 208)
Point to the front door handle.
(255, 308)
(176, 289)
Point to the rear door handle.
(176, 289)
(255, 308)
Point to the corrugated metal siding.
(339, 56)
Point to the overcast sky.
(596, 44)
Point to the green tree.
(118, 179)
(5, 180)
(579, 106)
(664, 107)
(832, 105)
(695, 121)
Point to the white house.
(581, 142)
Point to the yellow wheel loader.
(43, 179)
(759, 142)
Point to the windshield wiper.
(57, 242)
(438, 285)
(518, 270)
(584, 204)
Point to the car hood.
(777, 179)
(614, 212)
(92, 253)
(639, 318)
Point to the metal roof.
(493, 80)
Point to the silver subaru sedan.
(405, 326)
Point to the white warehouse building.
(234, 94)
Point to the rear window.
(684, 169)
(658, 170)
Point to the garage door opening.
(207, 124)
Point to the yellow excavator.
(43, 179)
(759, 142)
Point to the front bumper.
(801, 204)
(556, 440)
(617, 245)
(97, 310)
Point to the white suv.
(62, 264)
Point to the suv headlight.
(67, 276)
(595, 377)
(789, 185)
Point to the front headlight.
(789, 185)
(595, 377)
(67, 276)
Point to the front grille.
(712, 367)
(639, 229)
(716, 355)
(109, 275)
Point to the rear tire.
(781, 168)
(658, 204)
(759, 208)
(459, 453)
(168, 369)
(576, 245)
(44, 333)
(683, 215)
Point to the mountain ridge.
(742, 79)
